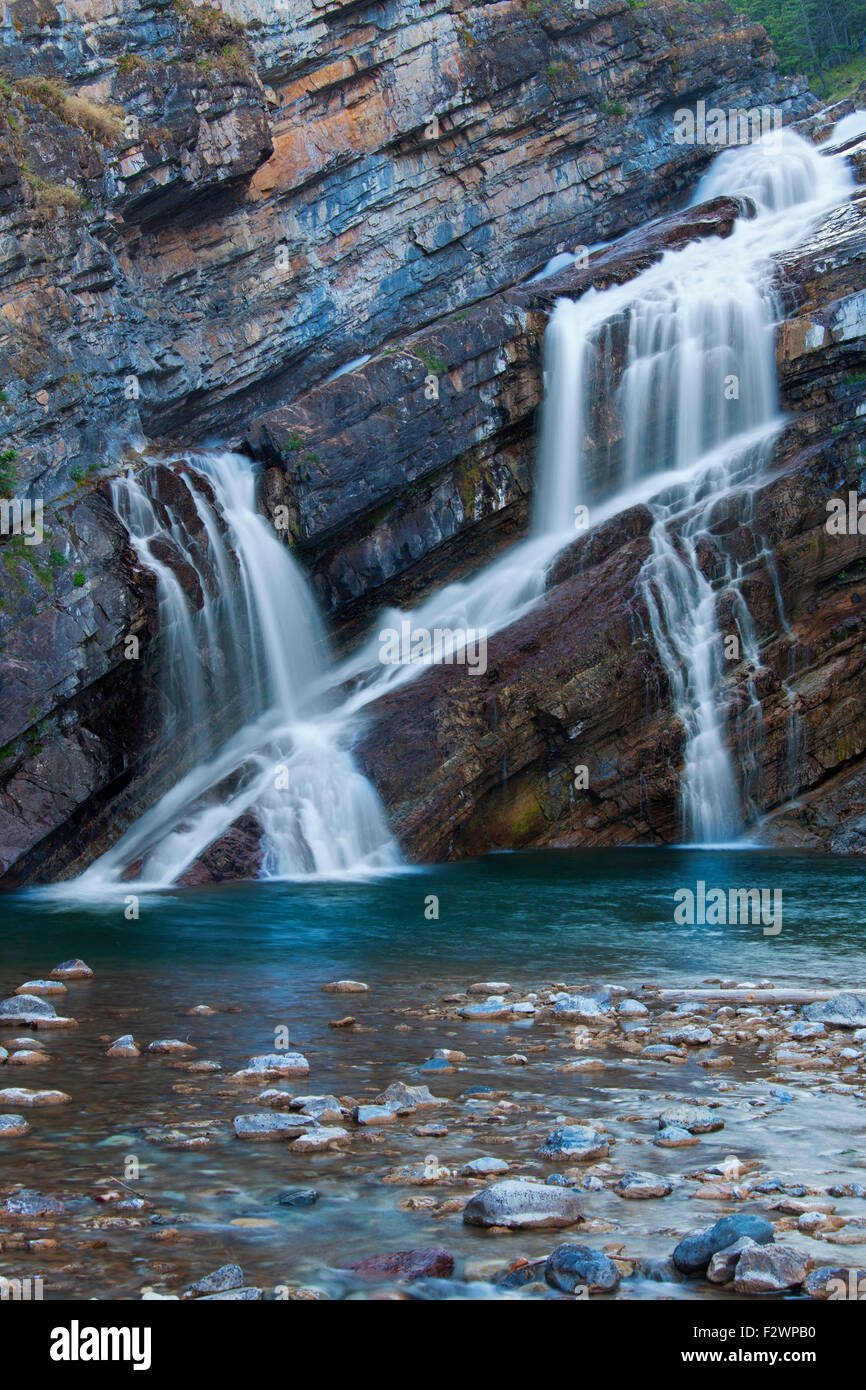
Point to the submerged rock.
(19, 1095)
(268, 1124)
(428, 1262)
(124, 1046)
(11, 1126)
(523, 1205)
(346, 987)
(30, 1203)
(274, 1064)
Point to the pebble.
(18, 1095)
(697, 1119)
(845, 1010)
(483, 1167)
(173, 1046)
(675, 1137)
(318, 1140)
(30, 1203)
(27, 1058)
(227, 1277)
(575, 1143)
(496, 1007)
(71, 970)
(582, 1008)
(33, 1011)
(522, 1205)
(643, 1186)
(274, 1064)
(11, 1126)
(374, 1115)
(266, 1124)
(404, 1100)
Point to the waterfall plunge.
(697, 404)
(256, 644)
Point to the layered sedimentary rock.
(467, 764)
(203, 213)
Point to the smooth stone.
(173, 1046)
(495, 1007)
(71, 970)
(346, 987)
(18, 1095)
(697, 1119)
(485, 1166)
(11, 1126)
(428, 1262)
(26, 1006)
(632, 1008)
(770, 1269)
(124, 1046)
(674, 1137)
(203, 1010)
(267, 1124)
(570, 1267)
(440, 1064)
(405, 1099)
(276, 1064)
(690, 1037)
(228, 1276)
(581, 1007)
(26, 1058)
(318, 1140)
(374, 1115)
(326, 1109)
(694, 1252)
(298, 1197)
(579, 1143)
(490, 987)
(40, 987)
(659, 1050)
(522, 1205)
(723, 1265)
(450, 1055)
(845, 1010)
(30, 1203)
(643, 1186)
(835, 1282)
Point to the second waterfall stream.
(696, 395)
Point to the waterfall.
(695, 407)
(681, 360)
(253, 652)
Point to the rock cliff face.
(204, 213)
(575, 683)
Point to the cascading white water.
(702, 316)
(256, 644)
(699, 413)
